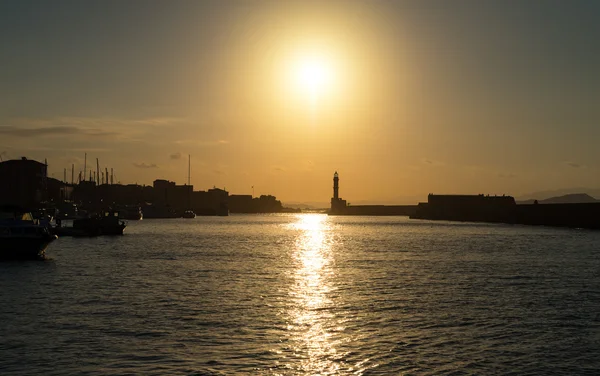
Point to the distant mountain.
(543, 195)
(306, 205)
(573, 198)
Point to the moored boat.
(108, 223)
(189, 214)
(21, 237)
(131, 212)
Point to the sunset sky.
(403, 98)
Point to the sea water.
(306, 294)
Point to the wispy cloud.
(202, 143)
(175, 155)
(97, 122)
(76, 149)
(10, 130)
(431, 162)
(99, 127)
(144, 165)
(157, 121)
(573, 164)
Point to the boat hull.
(24, 248)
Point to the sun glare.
(314, 76)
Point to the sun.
(314, 76)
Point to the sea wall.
(585, 215)
(378, 210)
(561, 215)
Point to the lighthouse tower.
(336, 186)
(337, 204)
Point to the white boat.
(22, 237)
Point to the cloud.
(62, 130)
(574, 164)
(176, 155)
(158, 121)
(431, 162)
(202, 143)
(76, 149)
(78, 127)
(98, 122)
(144, 165)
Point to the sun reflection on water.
(310, 318)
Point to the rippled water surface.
(306, 295)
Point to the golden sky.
(403, 98)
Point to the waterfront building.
(23, 182)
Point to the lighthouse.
(337, 204)
(336, 186)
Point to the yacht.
(22, 237)
(189, 214)
(104, 223)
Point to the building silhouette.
(23, 182)
(249, 204)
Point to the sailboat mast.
(84, 166)
(189, 185)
